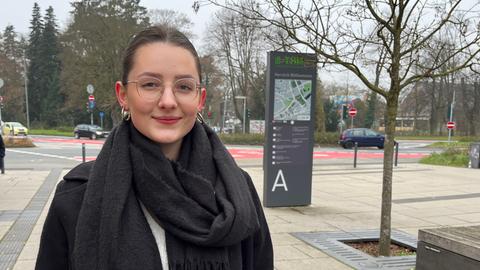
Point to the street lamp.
(244, 110)
(225, 95)
(26, 89)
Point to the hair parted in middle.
(157, 33)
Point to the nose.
(167, 99)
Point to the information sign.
(289, 126)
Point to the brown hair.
(157, 33)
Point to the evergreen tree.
(371, 104)
(332, 118)
(34, 73)
(11, 73)
(92, 49)
(50, 88)
(9, 46)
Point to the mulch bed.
(371, 248)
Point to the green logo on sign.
(289, 60)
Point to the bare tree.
(236, 43)
(172, 18)
(351, 33)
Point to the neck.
(171, 150)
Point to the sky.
(19, 13)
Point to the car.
(90, 131)
(14, 129)
(362, 136)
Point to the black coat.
(2, 147)
(56, 245)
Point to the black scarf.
(202, 202)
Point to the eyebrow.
(160, 76)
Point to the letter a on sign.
(280, 181)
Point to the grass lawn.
(452, 156)
(50, 132)
(448, 145)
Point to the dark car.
(90, 131)
(362, 136)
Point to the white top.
(159, 234)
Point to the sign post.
(91, 101)
(289, 126)
(352, 112)
(101, 114)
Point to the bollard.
(396, 154)
(83, 152)
(355, 155)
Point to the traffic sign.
(91, 98)
(352, 112)
(90, 89)
(450, 125)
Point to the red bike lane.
(243, 153)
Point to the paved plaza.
(344, 199)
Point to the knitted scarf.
(202, 201)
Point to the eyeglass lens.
(152, 89)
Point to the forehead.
(165, 59)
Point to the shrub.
(326, 138)
(17, 141)
(240, 138)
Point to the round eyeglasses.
(151, 89)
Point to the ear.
(203, 98)
(121, 93)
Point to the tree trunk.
(433, 108)
(385, 225)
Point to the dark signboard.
(289, 126)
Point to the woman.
(164, 193)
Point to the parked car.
(90, 131)
(14, 129)
(362, 136)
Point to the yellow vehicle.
(14, 129)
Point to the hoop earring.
(200, 118)
(125, 114)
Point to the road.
(63, 152)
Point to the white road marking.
(40, 154)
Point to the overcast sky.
(19, 13)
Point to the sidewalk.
(343, 199)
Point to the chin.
(165, 140)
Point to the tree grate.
(14, 240)
(332, 244)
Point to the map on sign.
(292, 99)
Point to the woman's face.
(164, 118)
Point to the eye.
(185, 86)
(150, 84)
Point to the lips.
(167, 120)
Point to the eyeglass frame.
(198, 86)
